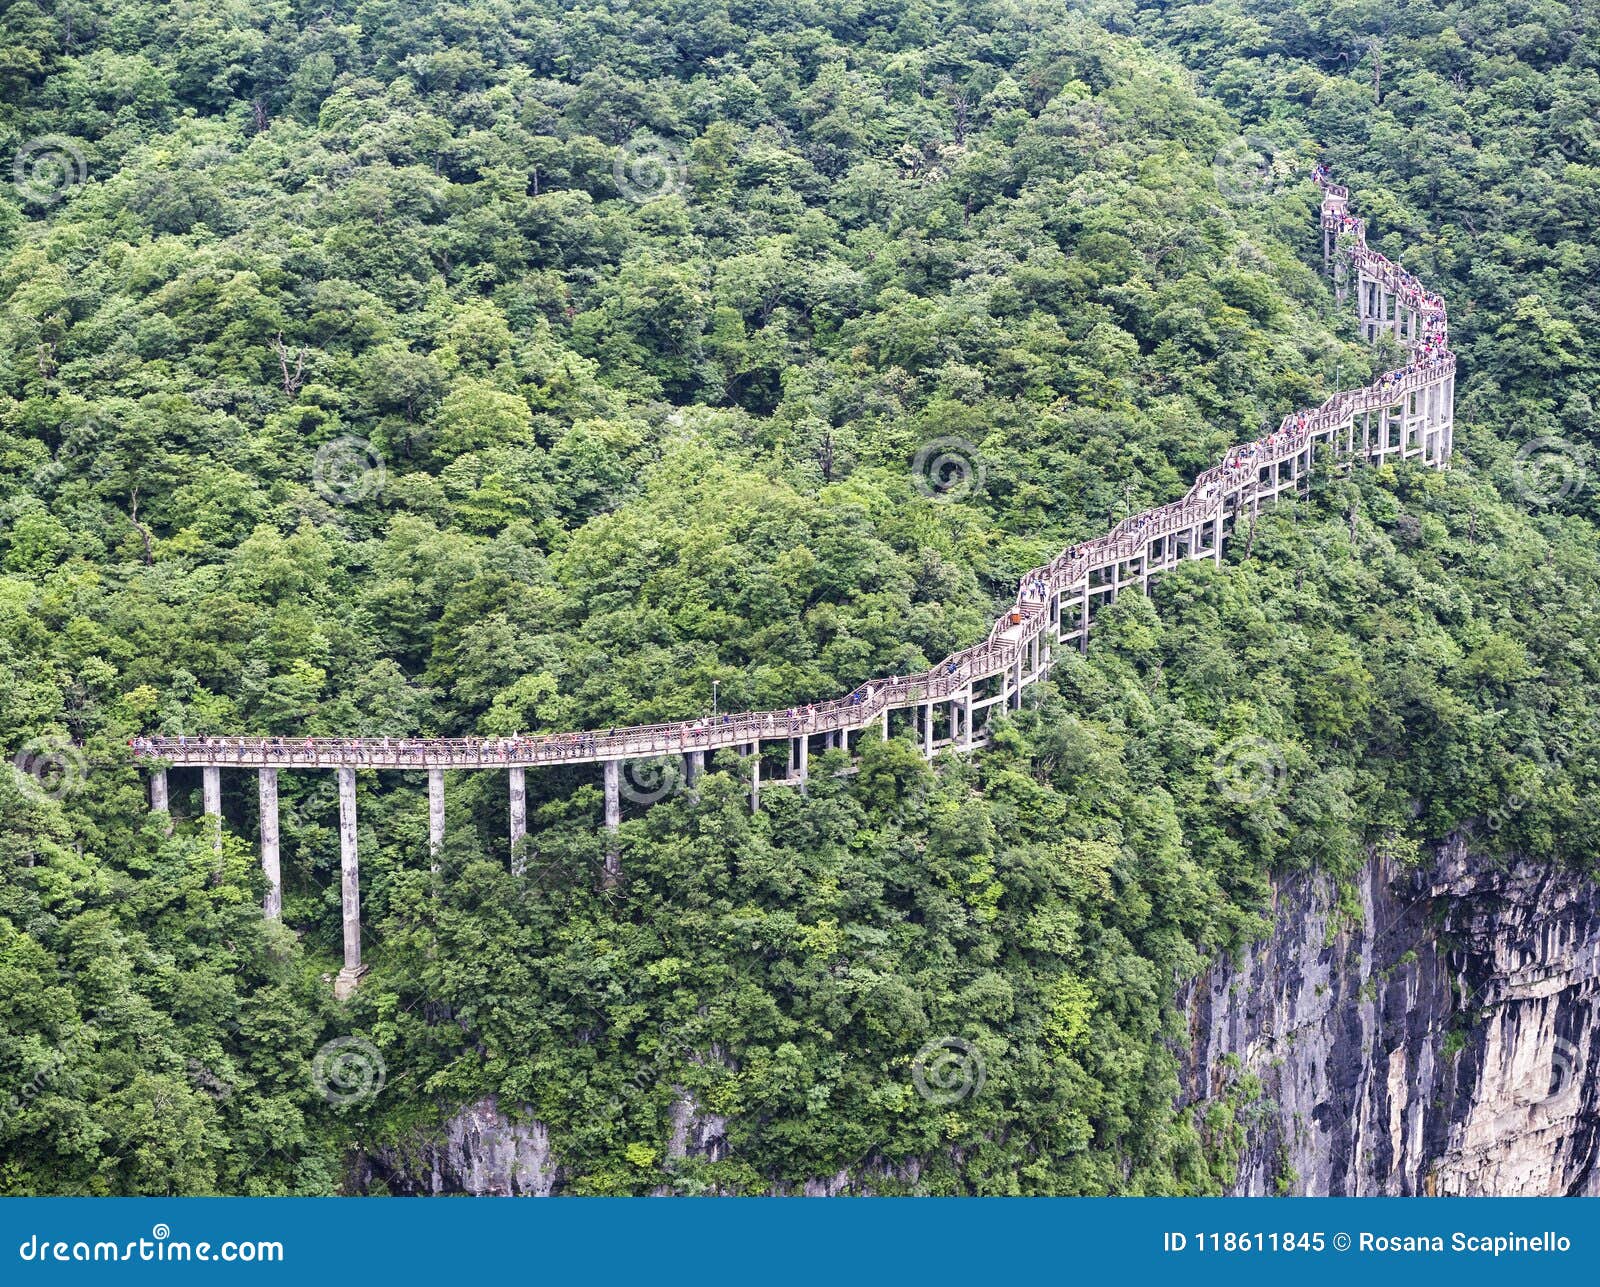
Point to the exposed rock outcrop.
(1444, 1044)
(479, 1151)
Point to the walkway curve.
(1407, 413)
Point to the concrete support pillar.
(435, 815)
(885, 723)
(694, 764)
(158, 796)
(927, 729)
(519, 814)
(350, 885)
(211, 794)
(613, 778)
(272, 902)
(802, 759)
(966, 718)
(755, 775)
(1450, 415)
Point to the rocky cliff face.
(483, 1152)
(479, 1151)
(1445, 1044)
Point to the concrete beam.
(613, 864)
(211, 795)
(435, 815)
(349, 885)
(272, 901)
(519, 815)
(158, 796)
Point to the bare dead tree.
(961, 108)
(144, 532)
(825, 454)
(292, 380)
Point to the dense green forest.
(390, 367)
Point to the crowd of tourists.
(1429, 343)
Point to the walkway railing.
(1407, 412)
(1216, 493)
